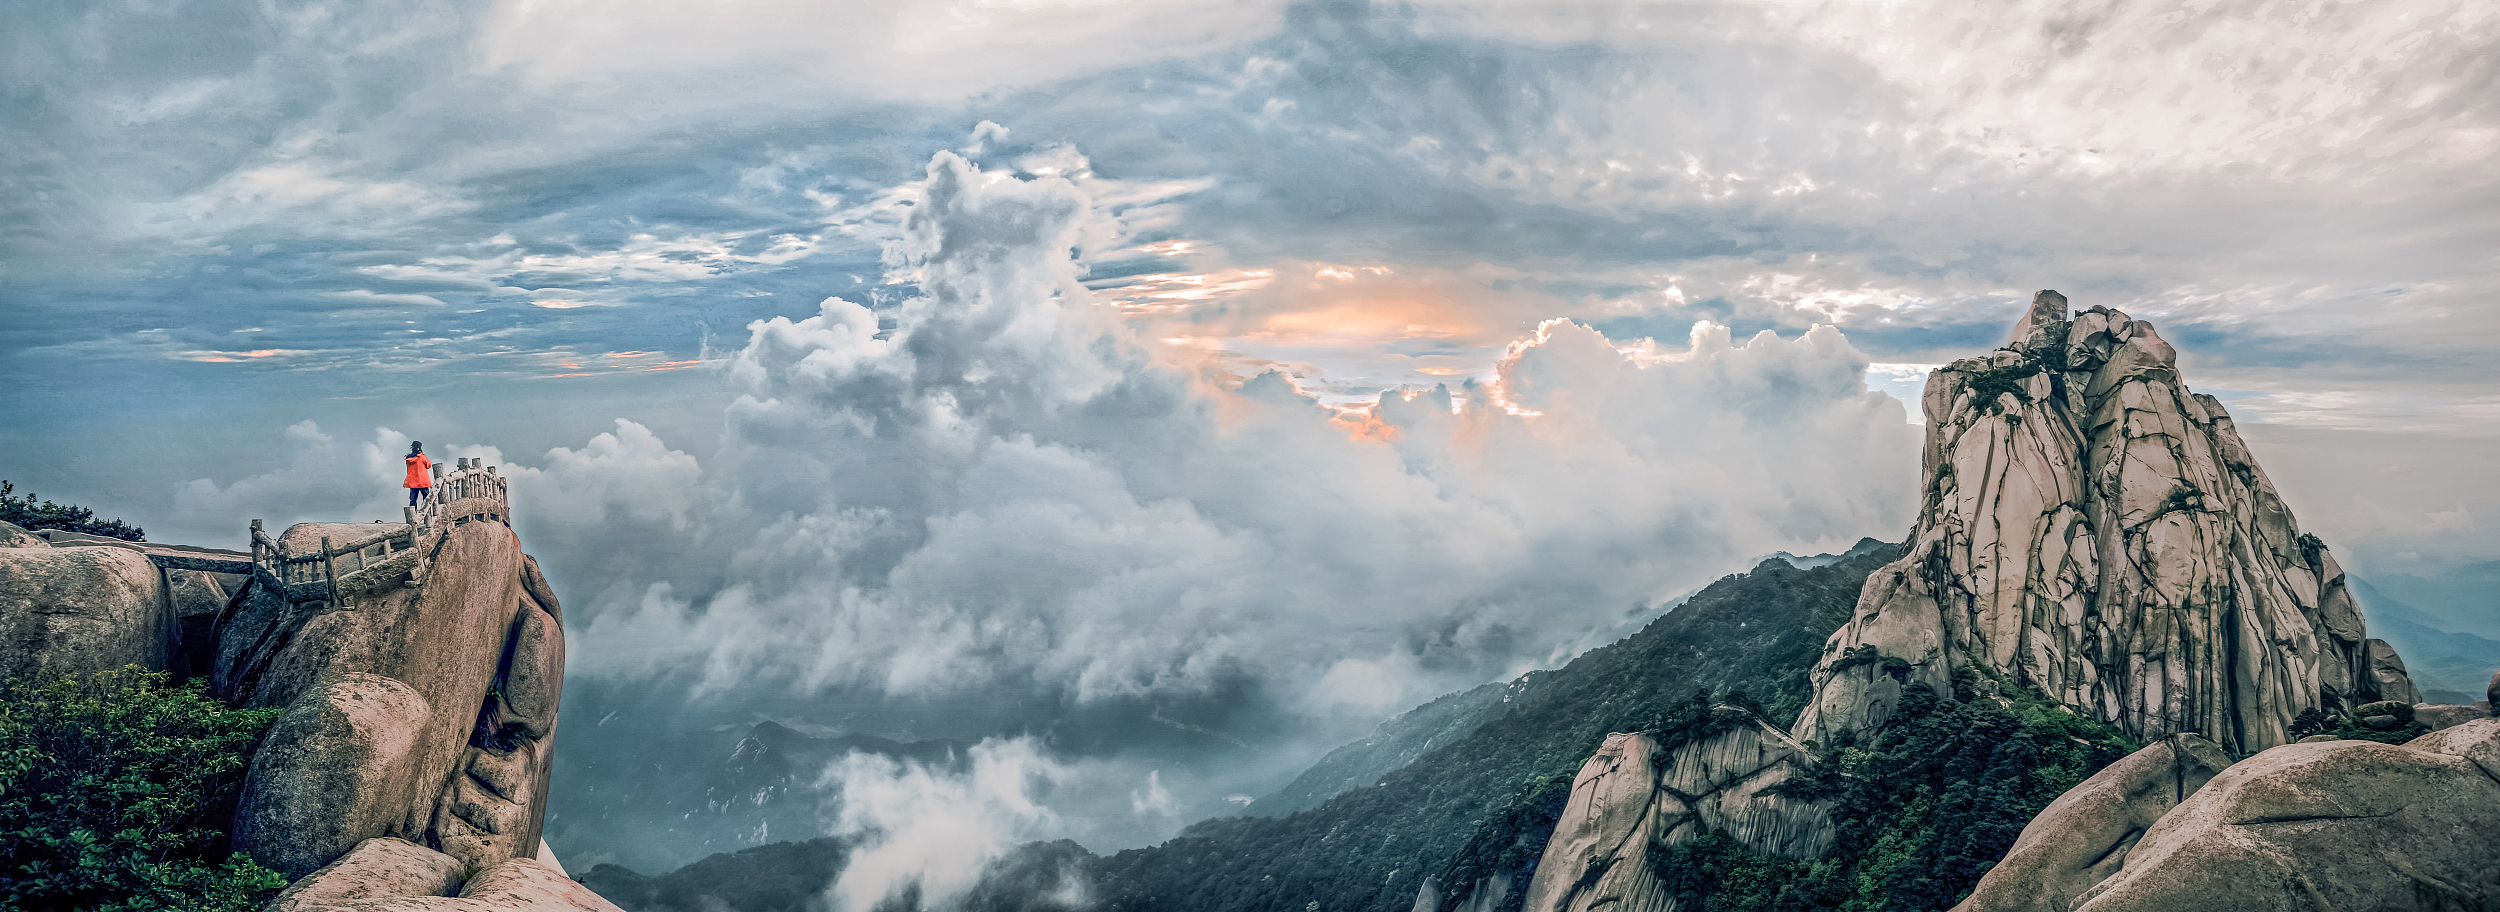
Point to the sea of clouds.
(998, 487)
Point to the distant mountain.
(1864, 546)
(1393, 745)
(1484, 801)
(747, 788)
(2466, 599)
(1402, 740)
(783, 875)
(2450, 666)
(774, 762)
(1482, 774)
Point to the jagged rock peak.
(2091, 530)
(2095, 530)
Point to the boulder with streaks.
(70, 611)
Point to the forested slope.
(1483, 803)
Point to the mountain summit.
(2095, 531)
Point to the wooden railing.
(339, 570)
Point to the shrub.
(1987, 384)
(2183, 499)
(1921, 813)
(2311, 547)
(26, 513)
(114, 795)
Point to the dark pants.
(415, 494)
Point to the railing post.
(332, 571)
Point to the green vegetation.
(2311, 547)
(783, 875)
(2183, 499)
(1483, 805)
(1988, 384)
(114, 795)
(26, 513)
(1922, 813)
(2341, 725)
(1867, 654)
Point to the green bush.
(115, 791)
(25, 513)
(2311, 547)
(1922, 813)
(1986, 384)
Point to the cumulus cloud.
(320, 475)
(1008, 489)
(927, 831)
(1316, 444)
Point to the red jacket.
(420, 472)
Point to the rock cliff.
(1631, 795)
(419, 666)
(2350, 825)
(73, 610)
(2092, 531)
(423, 711)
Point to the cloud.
(1142, 401)
(890, 50)
(320, 474)
(367, 296)
(930, 831)
(1009, 489)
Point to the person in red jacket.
(420, 472)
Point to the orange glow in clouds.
(1364, 321)
(227, 357)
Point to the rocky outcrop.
(424, 709)
(1631, 796)
(419, 666)
(75, 610)
(2347, 825)
(2083, 837)
(2092, 531)
(392, 875)
(13, 535)
(1729, 783)
(1597, 857)
(338, 767)
(198, 598)
(2095, 531)
(2450, 715)
(380, 868)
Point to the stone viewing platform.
(409, 766)
(333, 563)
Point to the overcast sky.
(1281, 364)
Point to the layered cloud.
(998, 487)
(1305, 357)
(1009, 489)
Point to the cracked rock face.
(425, 711)
(1632, 796)
(2092, 530)
(2348, 825)
(1598, 857)
(2097, 531)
